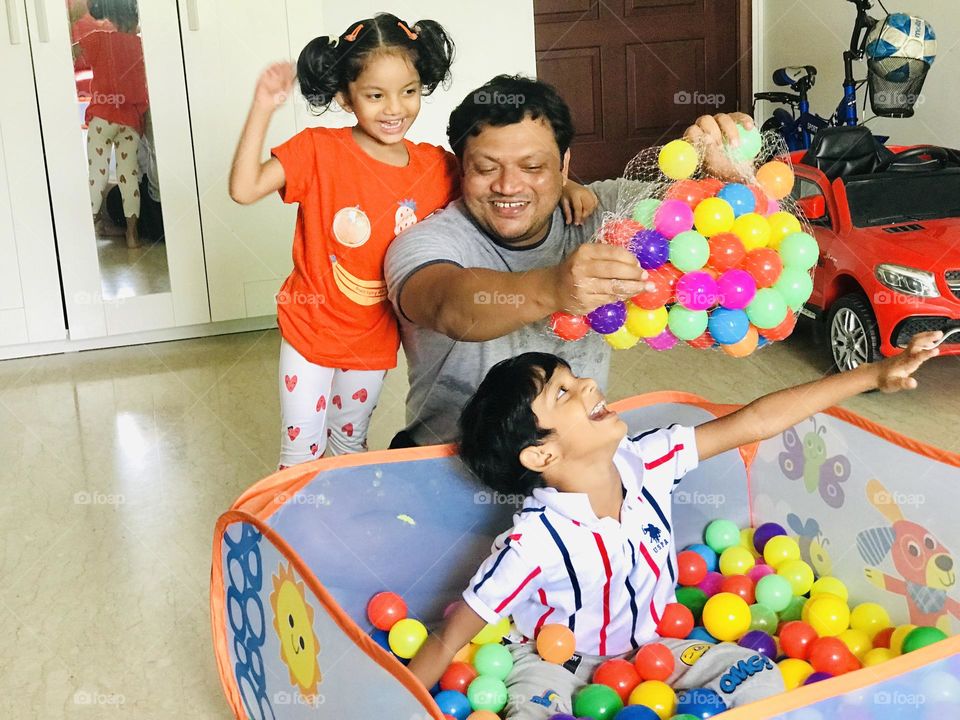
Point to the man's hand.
(577, 203)
(895, 373)
(709, 132)
(596, 274)
(274, 84)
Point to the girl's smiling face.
(385, 98)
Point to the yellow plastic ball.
(466, 653)
(736, 560)
(645, 323)
(794, 672)
(406, 636)
(856, 641)
(779, 549)
(678, 159)
(828, 615)
(726, 616)
(621, 339)
(492, 633)
(798, 574)
(713, 216)
(831, 585)
(746, 540)
(753, 230)
(877, 656)
(869, 617)
(656, 695)
(897, 637)
(782, 224)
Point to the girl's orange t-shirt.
(333, 307)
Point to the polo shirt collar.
(576, 506)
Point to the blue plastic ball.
(381, 637)
(708, 555)
(740, 197)
(728, 326)
(700, 633)
(636, 712)
(702, 703)
(453, 703)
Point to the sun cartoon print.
(293, 621)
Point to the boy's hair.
(498, 422)
(122, 13)
(507, 100)
(328, 65)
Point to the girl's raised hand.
(274, 85)
(896, 373)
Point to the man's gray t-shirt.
(443, 372)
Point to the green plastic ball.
(774, 592)
(487, 693)
(795, 286)
(692, 598)
(767, 309)
(493, 660)
(644, 211)
(596, 701)
(799, 250)
(794, 610)
(685, 716)
(749, 147)
(689, 251)
(763, 618)
(687, 324)
(921, 637)
(721, 534)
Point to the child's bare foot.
(133, 237)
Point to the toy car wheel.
(854, 336)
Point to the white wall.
(492, 37)
(815, 32)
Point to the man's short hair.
(507, 100)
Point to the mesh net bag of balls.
(729, 260)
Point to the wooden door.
(637, 72)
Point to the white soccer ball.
(901, 37)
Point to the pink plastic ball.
(697, 290)
(736, 289)
(672, 218)
(711, 583)
(664, 341)
(758, 571)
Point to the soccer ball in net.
(901, 37)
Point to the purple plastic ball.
(608, 318)
(651, 248)
(763, 534)
(697, 290)
(736, 288)
(817, 677)
(761, 642)
(664, 341)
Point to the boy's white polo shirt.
(608, 581)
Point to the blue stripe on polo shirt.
(577, 604)
(656, 507)
(644, 434)
(491, 571)
(633, 599)
(529, 510)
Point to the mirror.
(814, 207)
(117, 134)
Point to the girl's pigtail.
(435, 51)
(317, 72)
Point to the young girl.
(357, 189)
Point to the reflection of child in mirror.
(115, 114)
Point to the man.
(475, 283)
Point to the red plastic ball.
(781, 331)
(796, 637)
(619, 232)
(654, 662)
(385, 608)
(761, 198)
(882, 638)
(619, 675)
(458, 676)
(676, 621)
(711, 186)
(691, 568)
(703, 342)
(569, 327)
(726, 252)
(831, 655)
(741, 586)
(689, 191)
(764, 265)
(664, 279)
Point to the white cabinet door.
(108, 288)
(226, 44)
(31, 308)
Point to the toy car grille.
(911, 326)
(911, 227)
(953, 281)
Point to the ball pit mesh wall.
(302, 551)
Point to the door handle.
(193, 15)
(13, 23)
(43, 28)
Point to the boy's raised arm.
(771, 414)
(437, 652)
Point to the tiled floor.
(126, 272)
(116, 464)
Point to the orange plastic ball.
(776, 178)
(556, 643)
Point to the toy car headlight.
(907, 280)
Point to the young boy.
(592, 546)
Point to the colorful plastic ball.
(488, 693)
(385, 609)
(828, 615)
(621, 339)
(664, 280)
(728, 326)
(740, 197)
(664, 341)
(781, 331)
(816, 677)
(776, 179)
(774, 592)
(691, 567)
(556, 643)
(466, 653)
(619, 232)
(406, 636)
(830, 584)
(764, 532)
(869, 617)
(829, 654)
(597, 701)
(794, 609)
(726, 616)
(645, 323)
(764, 266)
(493, 632)
(569, 327)
(701, 703)
(656, 695)
(452, 702)
(618, 674)
(382, 638)
(487, 715)
(690, 192)
(721, 534)
(761, 642)
(654, 661)
(941, 686)
(644, 211)
(672, 218)
(749, 146)
(878, 655)
(636, 712)
(678, 159)
(651, 248)
(726, 251)
(753, 231)
(692, 598)
(760, 570)
(697, 291)
(689, 251)
(763, 618)
(796, 637)
(711, 186)
(709, 555)
(794, 672)
(713, 216)
(857, 642)
(799, 251)
(746, 540)
(702, 342)
(700, 633)
(798, 573)
(676, 621)
(736, 560)
(711, 583)
(767, 309)
(745, 346)
(795, 286)
(493, 660)
(898, 635)
(736, 288)
(922, 636)
(608, 318)
(686, 324)
(782, 224)
(741, 586)
(458, 676)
